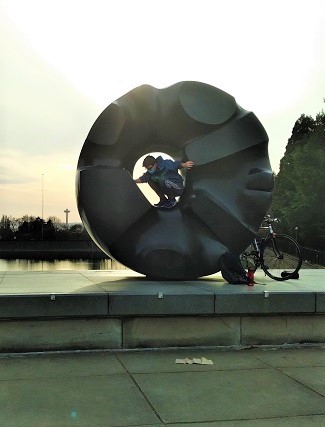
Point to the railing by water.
(313, 256)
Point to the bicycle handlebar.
(268, 219)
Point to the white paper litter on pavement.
(195, 360)
(206, 361)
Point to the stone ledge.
(293, 329)
(53, 305)
(113, 310)
(159, 332)
(181, 331)
(60, 334)
(265, 303)
(106, 304)
(160, 304)
(320, 302)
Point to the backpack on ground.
(232, 270)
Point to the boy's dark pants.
(167, 188)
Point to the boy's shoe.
(160, 204)
(170, 203)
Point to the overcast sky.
(64, 61)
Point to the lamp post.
(67, 217)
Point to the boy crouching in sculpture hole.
(163, 177)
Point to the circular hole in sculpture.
(140, 170)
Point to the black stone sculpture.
(226, 194)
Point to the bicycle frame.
(255, 252)
(277, 257)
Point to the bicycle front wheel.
(281, 257)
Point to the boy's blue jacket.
(166, 169)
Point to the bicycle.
(278, 255)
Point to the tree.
(24, 231)
(303, 126)
(320, 119)
(31, 230)
(34, 228)
(75, 232)
(6, 231)
(57, 223)
(299, 197)
(5, 222)
(49, 231)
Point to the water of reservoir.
(52, 265)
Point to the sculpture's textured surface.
(226, 194)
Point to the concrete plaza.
(87, 348)
(244, 388)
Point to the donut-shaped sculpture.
(226, 194)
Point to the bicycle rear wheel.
(281, 257)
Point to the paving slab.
(226, 395)
(310, 421)
(66, 401)
(57, 365)
(164, 361)
(128, 281)
(312, 377)
(144, 388)
(24, 283)
(286, 358)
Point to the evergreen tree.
(6, 232)
(303, 126)
(299, 198)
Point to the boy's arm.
(177, 164)
(142, 179)
(187, 165)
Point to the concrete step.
(69, 310)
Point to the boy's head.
(148, 162)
